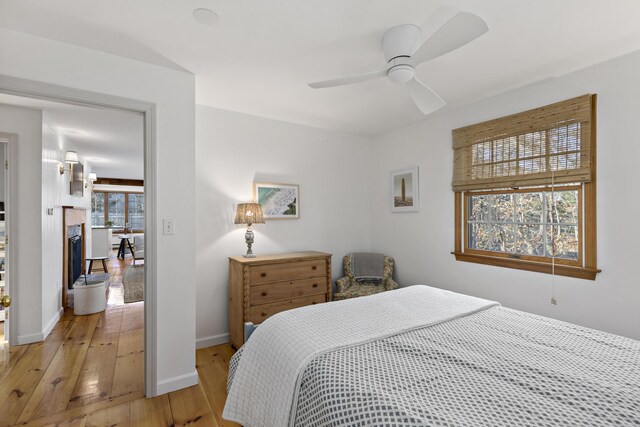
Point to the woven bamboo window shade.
(524, 149)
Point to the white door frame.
(67, 95)
(11, 224)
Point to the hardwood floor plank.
(81, 422)
(213, 377)
(110, 321)
(133, 316)
(128, 377)
(54, 389)
(21, 381)
(114, 416)
(154, 412)
(95, 380)
(131, 342)
(190, 407)
(129, 370)
(81, 412)
(9, 356)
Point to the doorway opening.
(94, 203)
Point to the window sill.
(538, 267)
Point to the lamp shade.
(249, 213)
(71, 157)
(93, 176)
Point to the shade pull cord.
(554, 301)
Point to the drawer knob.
(315, 285)
(263, 314)
(315, 267)
(263, 274)
(264, 294)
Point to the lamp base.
(248, 238)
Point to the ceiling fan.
(403, 52)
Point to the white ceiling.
(111, 141)
(262, 54)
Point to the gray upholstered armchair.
(365, 274)
(138, 248)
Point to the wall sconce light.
(92, 178)
(70, 157)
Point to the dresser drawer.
(260, 313)
(270, 292)
(287, 271)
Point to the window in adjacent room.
(97, 209)
(116, 209)
(135, 211)
(525, 190)
(119, 209)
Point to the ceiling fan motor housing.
(401, 41)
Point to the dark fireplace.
(75, 258)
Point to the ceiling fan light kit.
(404, 52)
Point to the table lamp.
(249, 213)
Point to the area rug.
(133, 283)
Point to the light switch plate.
(168, 226)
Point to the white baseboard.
(31, 338)
(212, 340)
(52, 323)
(177, 383)
(40, 336)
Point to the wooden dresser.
(263, 286)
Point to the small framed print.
(404, 190)
(278, 201)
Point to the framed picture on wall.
(404, 190)
(77, 180)
(278, 201)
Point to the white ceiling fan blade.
(427, 100)
(348, 80)
(461, 29)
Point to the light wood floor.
(89, 372)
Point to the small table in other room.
(124, 242)
(98, 258)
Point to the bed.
(428, 357)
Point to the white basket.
(90, 298)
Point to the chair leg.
(104, 266)
(90, 266)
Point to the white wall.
(422, 242)
(232, 151)
(27, 124)
(173, 92)
(55, 194)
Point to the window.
(97, 209)
(135, 211)
(525, 190)
(116, 210)
(535, 224)
(122, 209)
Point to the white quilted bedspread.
(267, 379)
